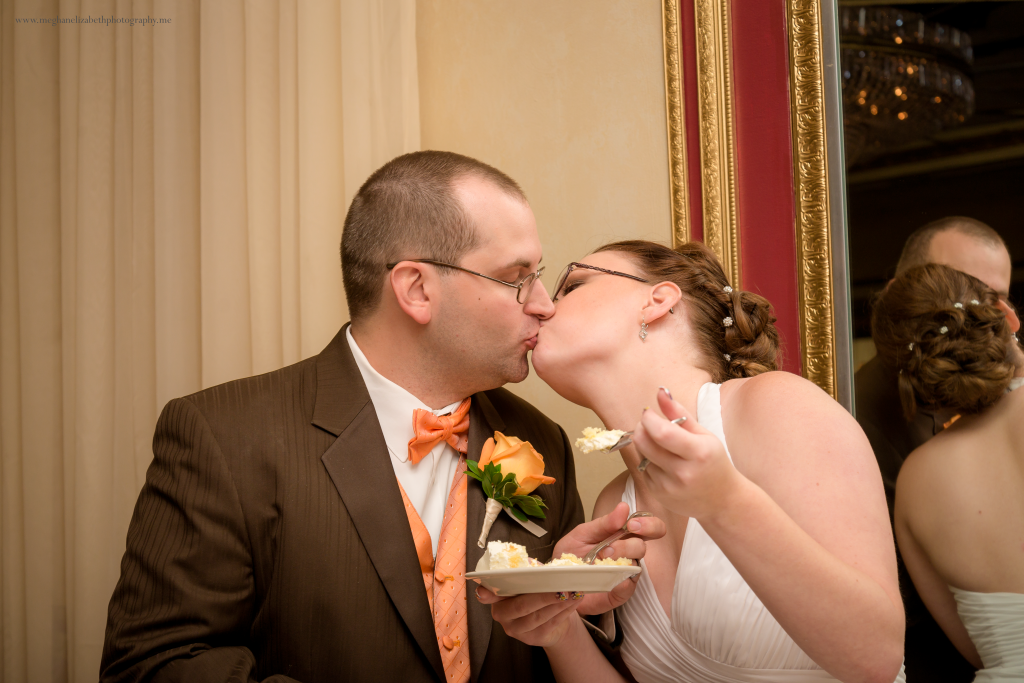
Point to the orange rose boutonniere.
(509, 470)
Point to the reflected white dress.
(995, 622)
(719, 632)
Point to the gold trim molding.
(813, 236)
(675, 108)
(718, 150)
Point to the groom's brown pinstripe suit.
(270, 539)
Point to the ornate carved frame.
(676, 120)
(717, 139)
(817, 161)
(814, 249)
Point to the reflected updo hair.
(751, 342)
(967, 367)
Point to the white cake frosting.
(507, 555)
(513, 556)
(597, 439)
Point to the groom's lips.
(531, 342)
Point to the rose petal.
(486, 452)
(529, 483)
(503, 442)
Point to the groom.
(311, 524)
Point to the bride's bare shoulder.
(774, 393)
(778, 420)
(611, 495)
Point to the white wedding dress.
(995, 623)
(720, 632)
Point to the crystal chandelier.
(904, 78)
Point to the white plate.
(582, 578)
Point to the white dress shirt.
(428, 482)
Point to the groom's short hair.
(916, 250)
(406, 210)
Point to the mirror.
(933, 114)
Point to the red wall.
(764, 156)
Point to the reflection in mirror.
(933, 109)
(933, 115)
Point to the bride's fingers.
(532, 620)
(664, 443)
(672, 410)
(599, 603)
(602, 527)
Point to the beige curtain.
(171, 202)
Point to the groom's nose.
(539, 304)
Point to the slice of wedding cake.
(513, 556)
(597, 439)
(507, 555)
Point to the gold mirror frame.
(819, 195)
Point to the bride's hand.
(584, 537)
(538, 619)
(689, 473)
(543, 619)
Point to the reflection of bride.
(779, 563)
(960, 496)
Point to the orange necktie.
(433, 429)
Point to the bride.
(960, 496)
(779, 562)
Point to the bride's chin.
(539, 359)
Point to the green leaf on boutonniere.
(531, 505)
(503, 489)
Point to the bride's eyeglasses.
(562, 287)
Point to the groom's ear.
(413, 284)
(1011, 315)
(664, 300)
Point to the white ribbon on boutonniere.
(509, 470)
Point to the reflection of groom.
(272, 537)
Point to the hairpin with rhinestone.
(943, 330)
(727, 289)
(727, 357)
(958, 305)
(727, 321)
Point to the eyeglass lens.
(560, 282)
(526, 287)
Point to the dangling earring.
(643, 326)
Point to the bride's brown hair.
(749, 345)
(944, 334)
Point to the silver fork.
(627, 439)
(592, 555)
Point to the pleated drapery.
(171, 203)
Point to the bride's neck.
(623, 393)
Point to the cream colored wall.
(568, 98)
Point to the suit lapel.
(359, 465)
(483, 422)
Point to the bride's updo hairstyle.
(944, 334)
(735, 330)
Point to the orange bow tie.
(433, 429)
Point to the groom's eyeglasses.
(523, 287)
(562, 287)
